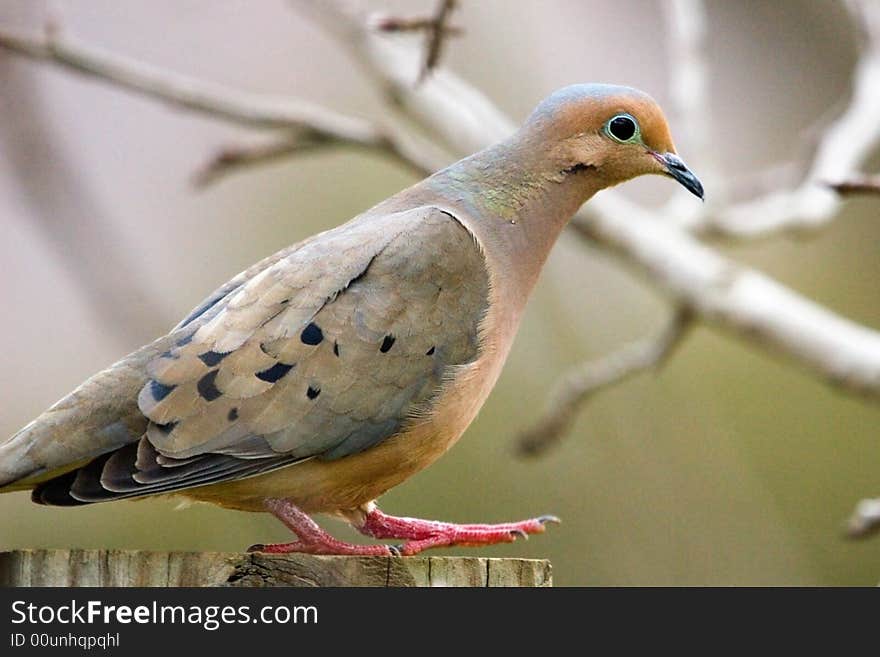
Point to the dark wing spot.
(185, 341)
(233, 415)
(207, 388)
(211, 358)
(430, 352)
(336, 349)
(159, 390)
(387, 343)
(312, 393)
(274, 373)
(312, 334)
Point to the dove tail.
(98, 417)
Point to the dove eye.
(622, 128)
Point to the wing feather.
(325, 352)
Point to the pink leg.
(312, 539)
(424, 534)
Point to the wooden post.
(142, 568)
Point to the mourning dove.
(331, 371)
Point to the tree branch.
(582, 381)
(307, 126)
(744, 302)
(184, 92)
(235, 157)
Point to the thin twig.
(865, 519)
(435, 27)
(583, 381)
(235, 157)
(865, 185)
(436, 37)
(419, 24)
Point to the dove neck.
(516, 199)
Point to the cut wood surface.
(143, 568)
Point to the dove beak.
(675, 168)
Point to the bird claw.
(519, 533)
(551, 519)
(395, 550)
(256, 547)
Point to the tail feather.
(98, 417)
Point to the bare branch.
(742, 301)
(308, 126)
(579, 385)
(399, 24)
(863, 185)
(239, 156)
(187, 93)
(235, 157)
(865, 520)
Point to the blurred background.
(728, 467)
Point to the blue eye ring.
(623, 128)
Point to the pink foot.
(425, 534)
(312, 539)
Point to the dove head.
(615, 132)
